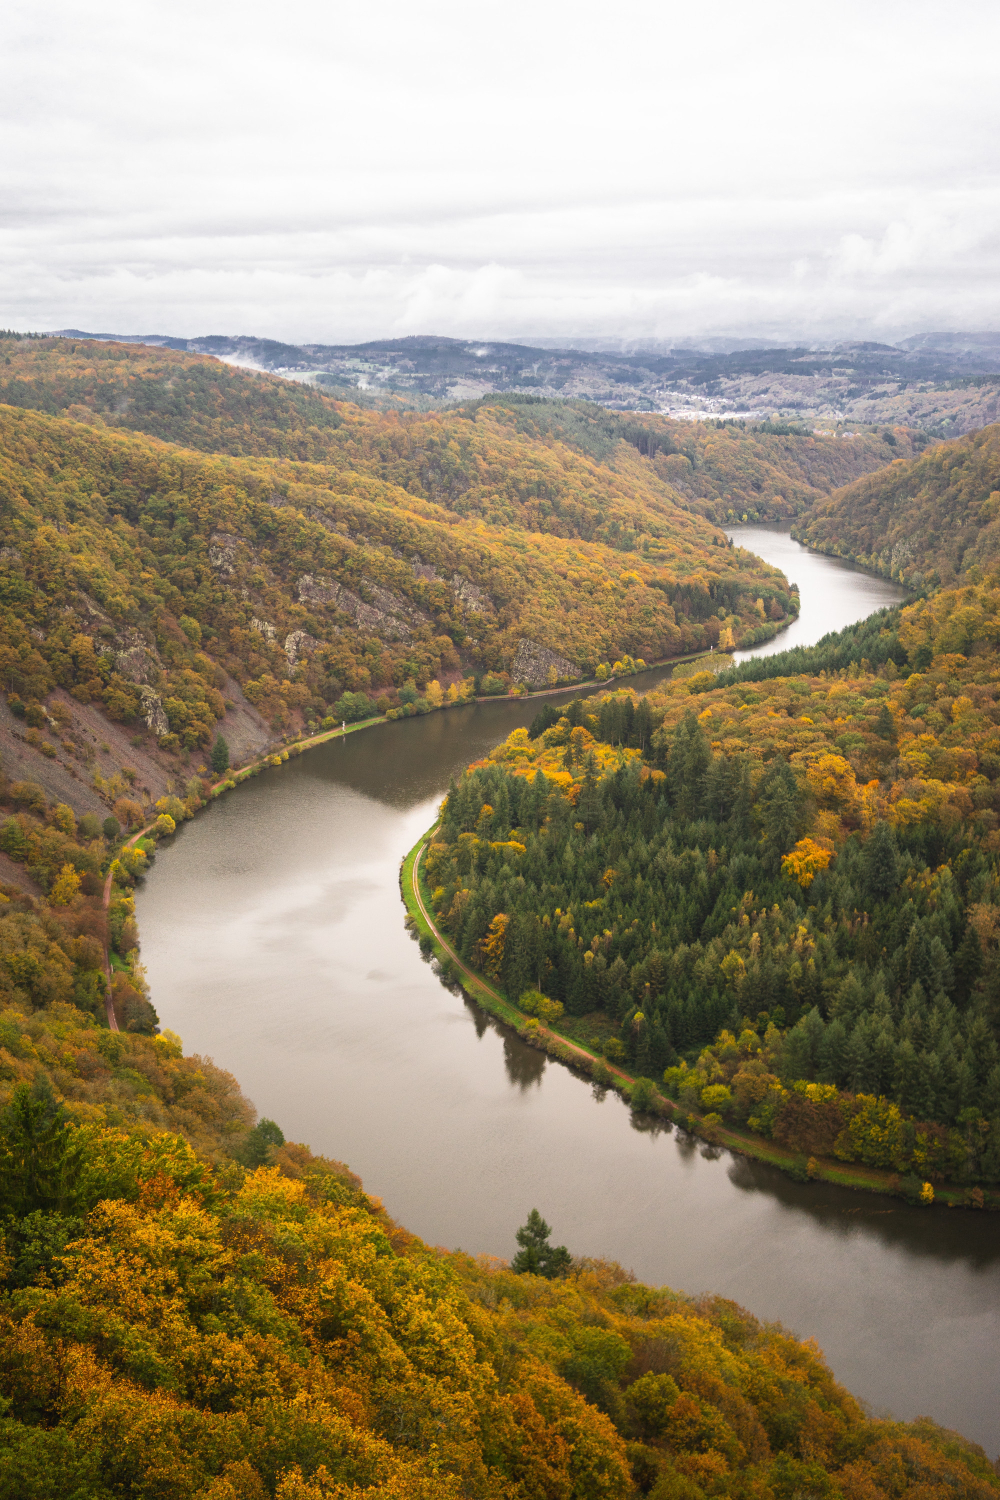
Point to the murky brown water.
(273, 935)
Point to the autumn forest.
(761, 899)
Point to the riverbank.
(649, 1099)
(280, 754)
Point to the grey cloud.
(348, 172)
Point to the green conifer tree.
(220, 756)
(536, 1256)
(40, 1153)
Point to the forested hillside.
(169, 1332)
(176, 591)
(799, 873)
(925, 523)
(190, 1306)
(461, 457)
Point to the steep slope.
(926, 522)
(275, 1334)
(167, 588)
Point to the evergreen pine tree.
(220, 756)
(41, 1160)
(687, 767)
(536, 1256)
(885, 724)
(881, 863)
(780, 806)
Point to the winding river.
(273, 937)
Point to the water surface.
(832, 592)
(273, 936)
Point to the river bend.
(272, 931)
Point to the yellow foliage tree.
(833, 781)
(492, 944)
(66, 887)
(805, 861)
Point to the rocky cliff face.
(387, 615)
(298, 645)
(536, 665)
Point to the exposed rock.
(377, 618)
(390, 603)
(298, 645)
(267, 630)
(9, 554)
(135, 659)
(223, 552)
(422, 569)
(153, 715)
(87, 606)
(470, 594)
(533, 665)
(318, 591)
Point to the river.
(272, 931)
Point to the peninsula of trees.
(774, 892)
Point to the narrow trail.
(855, 1177)
(478, 980)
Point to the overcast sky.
(341, 172)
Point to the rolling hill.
(927, 523)
(726, 471)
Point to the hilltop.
(729, 471)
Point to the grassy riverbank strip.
(636, 1091)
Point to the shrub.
(28, 794)
(492, 686)
(534, 1003)
(173, 806)
(353, 707)
(642, 1094)
(64, 819)
(128, 812)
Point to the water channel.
(273, 936)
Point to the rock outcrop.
(471, 595)
(136, 659)
(224, 551)
(385, 616)
(153, 714)
(299, 645)
(534, 665)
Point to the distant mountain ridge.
(943, 383)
